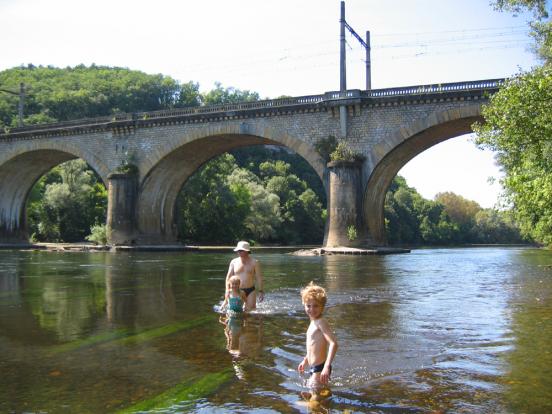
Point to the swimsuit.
(248, 290)
(235, 304)
(318, 368)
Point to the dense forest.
(265, 194)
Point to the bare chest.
(314, 334)
(242, 268)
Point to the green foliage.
(518, 129)
(98, 234)
(449, 219)
(263, 217)
(352, 233)
(461, 212)
(541, 29)
(230, 95)
(56, 94)
(253, 158)
(218, 215)
(128, 168)
(326, 146)
(276, 206)
(65, 203)
(343, 152)
(538, 7)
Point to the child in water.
(234, 299)
(321, 342)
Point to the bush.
(98, 234)
(343, 152)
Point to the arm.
(332, 349)
(225, 302)
(301, 366)
(228, 275)
(259, 280)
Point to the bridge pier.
(345, 224)
(16, 235)
(121, 208)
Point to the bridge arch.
(19, 171)
(163, 177)
(399, 148)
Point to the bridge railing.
(228, 109)
(434, 88)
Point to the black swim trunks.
(248, 290)
(318, 368)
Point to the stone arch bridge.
(387, 126)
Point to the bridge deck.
(330, 99)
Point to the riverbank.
(294, 250)
(342, 250)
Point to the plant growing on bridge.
(128, 169)
(332, 149)
(343, 152)
(326, 146)
(352, 233)
(128, 166)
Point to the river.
(460, 330)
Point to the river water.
(465, 330)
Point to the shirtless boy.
(249, 271)
(321, 341)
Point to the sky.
(289, 47)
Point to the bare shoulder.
(322, 324)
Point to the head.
(242, 248)
(234, 282)
(314, 299)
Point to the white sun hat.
(242, 245)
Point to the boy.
(321, 341)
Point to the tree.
(449, 219)
(541, 29)
(461, 212)
(221, 95)
(56, 94)
(66, 203)
(218, 214)
(518, 127)
(264, 216)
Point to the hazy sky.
(287, 47)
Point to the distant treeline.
(265, 194)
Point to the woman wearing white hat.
(249, 271)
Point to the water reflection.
(442, 330)
(528, 381)
(244, 334)
(132, 299)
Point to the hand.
(325, 375)
(301, 366)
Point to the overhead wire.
(427, 43)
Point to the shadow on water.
(439, 330)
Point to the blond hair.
(315, 292)
(233, 279)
